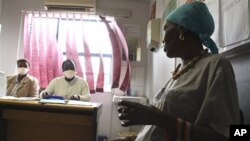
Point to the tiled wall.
(137, 88)
(138, 78)
(137, 81)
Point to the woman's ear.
(182, 33)
(183, 30)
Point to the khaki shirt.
(28, 87)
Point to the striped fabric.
(183, 130)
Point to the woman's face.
(171, 40)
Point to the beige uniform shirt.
(60, 87)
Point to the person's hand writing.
(75, 97)
(132, 113)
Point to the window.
(71, 31)
(96, 35)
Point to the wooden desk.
(32, 121)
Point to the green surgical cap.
(196, 17)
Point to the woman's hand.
(132, 113)
(45, 95)
(75, 97)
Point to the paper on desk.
(19, 98)
(27, 98)
(52, 101)
(8, 97)
(76, 102)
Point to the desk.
(32, 121)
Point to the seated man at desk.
(22, 84)
(69, 86)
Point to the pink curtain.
(42, 52)
(71, 47)
(100, 78)
(46, 38)
(123, 44)
(88, 66)
(26, 37)
(118, 44)
(53, 52)
(117, 55)
(40, 47)
(34, 68)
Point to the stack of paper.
(19, 98)
(52, 101)
(75, 102)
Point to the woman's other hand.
(132, 113)
(45, 95)
(75, 97)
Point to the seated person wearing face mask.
(68, 86)
(22, 85)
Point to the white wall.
(241, 67)
(11, 20)
(1, 7)
(104, 128)
(159, 66)
(0, 10)
(0, 32)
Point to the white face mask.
(22, 70)
(69, 74)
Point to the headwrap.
(196, 17)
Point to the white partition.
(232, 23)
(2, 84)
(235, 21)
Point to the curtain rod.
(68, 15)
(70, 12)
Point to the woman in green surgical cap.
(200, 101)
